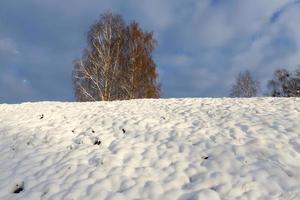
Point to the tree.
(245, 86)
(278, 85)
(285, 83)
(117, 63)
(295, 83)
(139, 67)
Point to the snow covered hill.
(151, 149)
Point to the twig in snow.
(97, 141)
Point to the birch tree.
(245, 86)
(115, 58)
(140, 67)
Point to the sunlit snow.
(151, 149)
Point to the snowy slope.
(151, 149)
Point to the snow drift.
(151, 149)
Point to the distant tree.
(295, 85)
(278, 85)
(285, 83)
(117, 63)
(245, 86)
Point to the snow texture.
(184, 149)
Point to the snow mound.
(182, 149)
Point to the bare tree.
(245, 86)
(285, 83)
(295, 83)
(278, 84)
(114, 59)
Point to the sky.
(202, 44)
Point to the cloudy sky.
(202, 44)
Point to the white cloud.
(276, 47)
(239, 35)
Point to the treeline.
(284, 83)
(117, 64)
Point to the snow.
(182, 149)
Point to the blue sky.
(202, 44)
